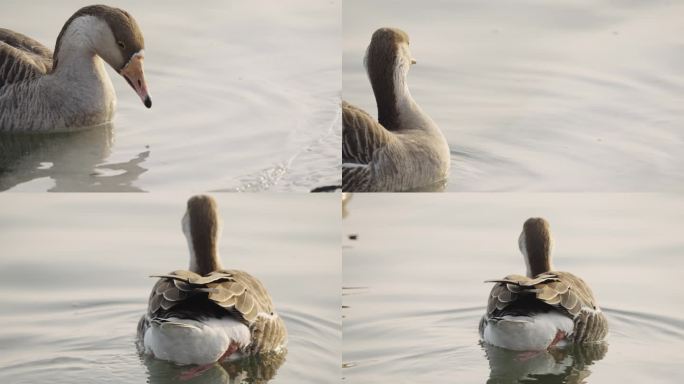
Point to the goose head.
(201, 226)
(114, 35)
(535, 243)
(387, 63)
(388, 53)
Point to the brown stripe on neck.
(204, 226)
(381, 60)
(123, 26)
(538, 245)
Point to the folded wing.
(559, 290)
(22, 58)
(221, 293)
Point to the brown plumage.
(22, 58)
(220, 293)
(208, 292)
(545, 290)
(382, 50)
(559, 290)
(126, 31)
(204, 227)
(363, 142)
(403, 150)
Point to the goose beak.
(413, 61)
(134, 75)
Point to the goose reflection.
(346, 197)
(252, 369)
(569, 365)
(73, 161)
(439, 186)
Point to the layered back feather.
(185, 294)
(561, 291)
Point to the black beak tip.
(148, 102)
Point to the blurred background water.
(540, 96)
(245, 98)
(414, 291)
(74, 281)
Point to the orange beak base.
(134, 75)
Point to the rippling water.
(413, 285)
(74, 282)
(540, 96)
(245, 98)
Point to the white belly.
(184, 341)
(527, 333)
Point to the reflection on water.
(346, 198)
(71, 162)
(568, 365)
(254, 369)
(439, 186)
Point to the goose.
(546, 308)
(208, 314)
(402, 151)
(42, 92)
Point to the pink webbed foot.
(195, 372)
(526, 356)
(199, 370)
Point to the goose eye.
(121, 44)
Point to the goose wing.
(221, 293)
(364, 141)
(22, 58)
(362, 135)
(561, 290)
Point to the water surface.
(414, 286)
(540, 96)
(245, 98)
(74, 282)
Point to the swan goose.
(404, 149)
(545, 308)
(44, 92)
(208, 314)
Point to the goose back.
(185, 294)
(22, 58)
(562, 291)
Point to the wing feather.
(223, 293)
(362, 135)
(22, 58)
(561, 290)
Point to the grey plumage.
(39, 95)
(22, 58)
